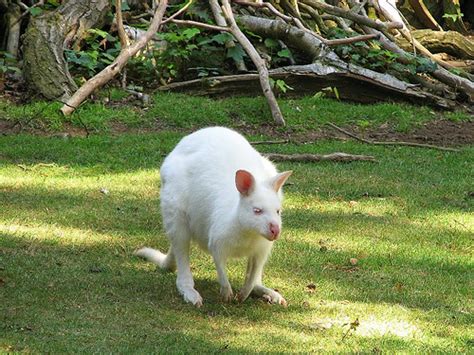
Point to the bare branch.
(177, 13)
(363, 20)
(283, 141)
(200, 24)
(257, 60)
(124, 41)
(361, 38)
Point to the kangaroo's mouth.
(270, 237)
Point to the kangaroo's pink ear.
(245, 182)
(278, 181)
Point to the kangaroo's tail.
(164, 261)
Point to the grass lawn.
(72, 211)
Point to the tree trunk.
(47, 36)
(13, 41)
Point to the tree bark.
(47, 36)
(14, 23)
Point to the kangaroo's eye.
(257, 210)
(279, 212)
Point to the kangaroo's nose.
(274, 231)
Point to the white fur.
(200, 202)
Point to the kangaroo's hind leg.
(178, 233)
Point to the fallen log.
(353, 84)
(450, 42)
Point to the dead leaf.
(398, 286)
(353, 261)
(353, 203)
(322, 245)
(311, 288)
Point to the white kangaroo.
(217, 190)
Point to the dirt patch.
(439, 132)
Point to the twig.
(27, 9)
(341, 157)
(177, 13)
(335, 42)
(283, 141)
(83, 125)
(410, 144)
(200, 24)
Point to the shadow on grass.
(136, 222)
(58, 291)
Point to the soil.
(438, 132)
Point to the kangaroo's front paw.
(190, 295)
(226, 294)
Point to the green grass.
(69, 282)
(178, 111)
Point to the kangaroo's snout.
(274, 231)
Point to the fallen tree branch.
(354, 84)
(363, 20)
(284, 17)
(464, 85)
(361, 38)
(450, 42)
(339, 157)
(113, 69)
(410, 144)
(283, 141)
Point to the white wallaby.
(217, 190)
